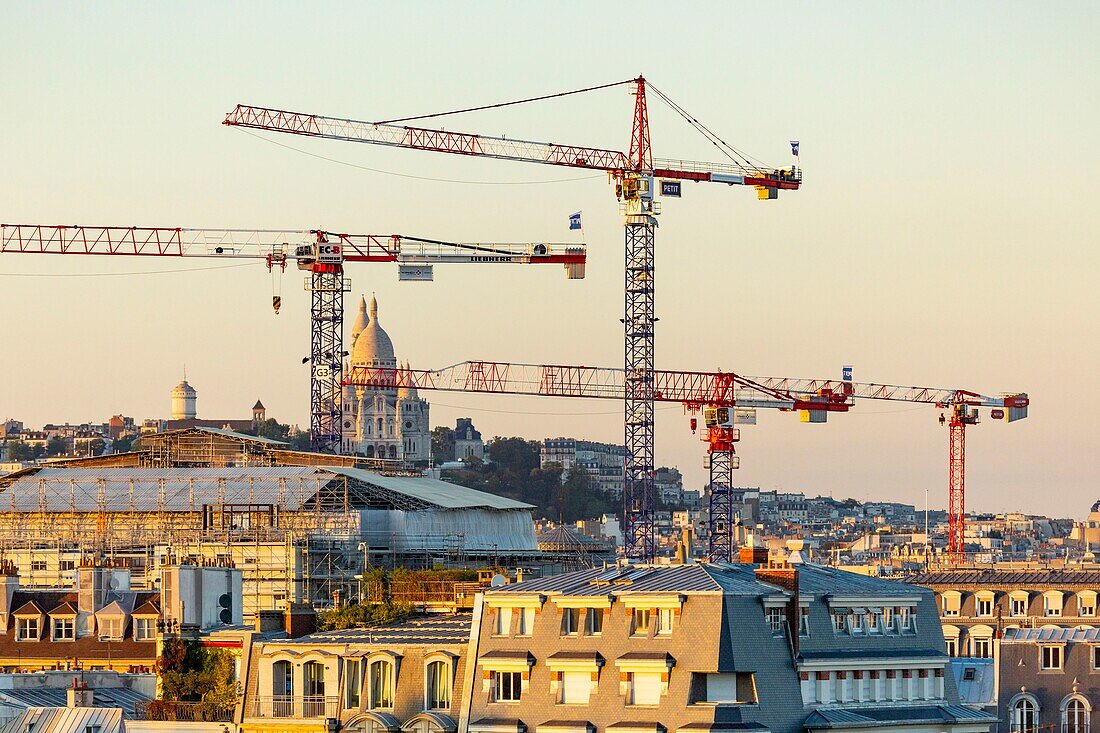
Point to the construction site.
(298, 531)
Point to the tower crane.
(635, 175)
(719, 395)
(319, 252)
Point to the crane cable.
(506, 104)
(722, 145)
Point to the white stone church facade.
(382, 423)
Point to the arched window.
(379, 427)
(1024, 715)
(282, 690)
(438, 686)
(1075, 714)
(381, 684)
(313, 678)
(393, 452)
(370, 451)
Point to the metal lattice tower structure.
(720, 540)
(327, 286)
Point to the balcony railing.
(294, 706)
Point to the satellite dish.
(498, 580)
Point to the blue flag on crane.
(794, 148)
(575, 221)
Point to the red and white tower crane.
(636, 175)
(717, 394)
(319, 252)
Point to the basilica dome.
(373, 345)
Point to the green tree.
(55, 446)
(272, 429)
(124, 444)
(19, 451)
(443, 444)
(191, 673)
(301, 441)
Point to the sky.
(944, 234)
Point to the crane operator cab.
(718, 417)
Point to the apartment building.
(1049, 679)
(401, 677)
(975, 606)
(701, 648)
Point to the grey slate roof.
(1007, 577)
(826, 718)
(820, 580)
(981, 691)
(426, 630)
(642, 579)
(863, 652)
(55, 697)
(1047, 634)
(434, 491)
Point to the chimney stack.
(785, 575)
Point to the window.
(38, 566)
(839, 622)
(282, 690)
(855, 622)
(1052, 603)
(665, 620)
(905, 618)
(985, 607)
(144, 629)
(28, 629)
(1018, 607)
(1050, 657)
(504, 622)
(63, 629)
(594, 619)
(724, 687)
(438, 686)
(353, 683)
(506, 686)
(970, 674)
(981, 647)
(1024, 716)
(950, 603)
(570, 621)
(110, 628)
(1086, 607)
(774, 617)
(1075, 716)
(381, 684)
(874, 622)
(313, 679)
(1096, 658)
(645, 688)
(888, 619)
(67, 565)
(804, 621)
(641, 622)
(526, 622)
(952, 643)
(576, 688)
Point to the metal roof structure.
(976, 679)
(293, 488)
(123, 698)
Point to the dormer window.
(641, 622)
(145, 629)
(27, 629)
(110, 629)
(64, 629)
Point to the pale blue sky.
(944, 234)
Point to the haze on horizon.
(942, 236)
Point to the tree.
(55, 446)
(301, 441)
(19, 451)
(272, 429)
(443, 444)
(125, 443)
(191, 673)
(96, 446)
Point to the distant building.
(184, 401)
(390, 423)
(468, 442)
(603, 462)
(10, 428)
(669, 485)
